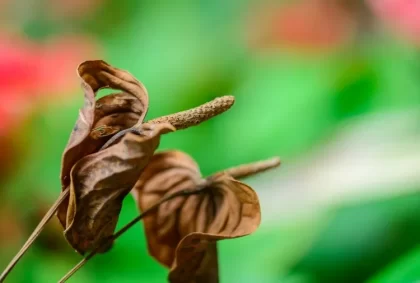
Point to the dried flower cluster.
(111, 152)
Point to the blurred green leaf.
(281, 108)
(362, 239)
(355, 90)
(260, 256)
(404, 269)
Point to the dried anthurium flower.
(108, 149)
(99, 180)
(182, 231)
(99, 175)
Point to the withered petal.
(182, 232)
(99, 183)
(95, 75)
(166, 173)
(99, 120)
(196, 261)
(237, 214)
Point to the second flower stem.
(50, 213)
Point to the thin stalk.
(50, 213)
(128, 226)
(241, 171)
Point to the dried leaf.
(99, 183)
(99, 120)
(182, 232)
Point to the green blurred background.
(332, 87)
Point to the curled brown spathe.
(182, 232)
(98, 180)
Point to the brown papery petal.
(99, 120)
(196, 261)
(181, 233)
(167, 172)
(99, 183)
(95, 75)
(236, 213)
(117, 112)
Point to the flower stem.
(50, 213)
(126, 227)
